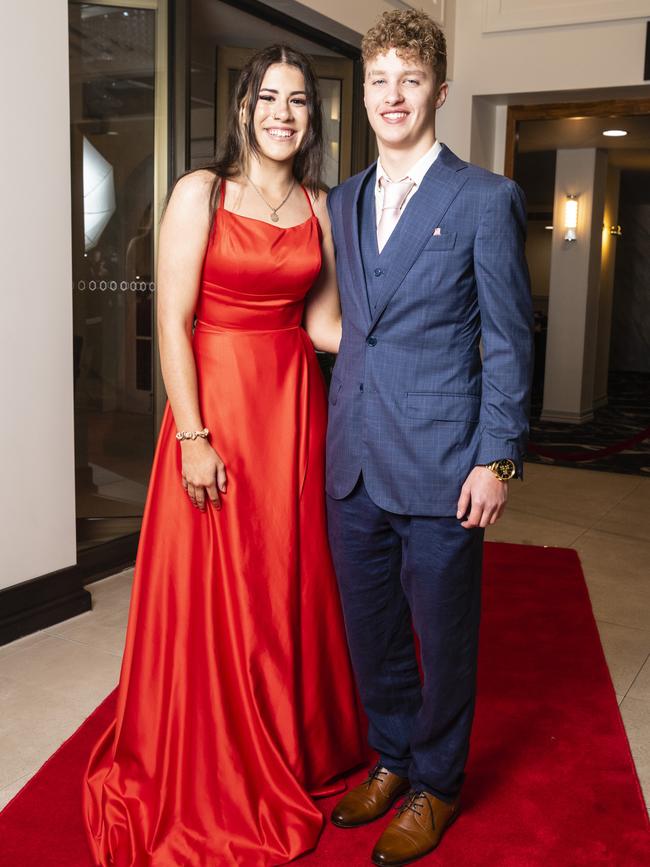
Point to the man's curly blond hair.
(413, 35)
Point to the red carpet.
(550, 780)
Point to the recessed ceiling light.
(615, 133)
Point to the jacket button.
(371, 341)
(360, 386)
(378, 272)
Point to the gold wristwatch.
(504, 469)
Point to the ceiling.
(629, 152)
(221, 24)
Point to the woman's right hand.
(203, 473)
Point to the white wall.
(37, 509)
(574, 288)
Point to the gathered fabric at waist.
(251, 309)
(227, 328)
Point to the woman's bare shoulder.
(319, 204)
(194, 186)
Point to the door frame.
(162, 167)
(609, 108)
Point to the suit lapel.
(422, 215)
(350, 217)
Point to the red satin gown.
(236, 701)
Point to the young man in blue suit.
(424, 433)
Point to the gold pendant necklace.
(274, 211)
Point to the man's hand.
(482, 498)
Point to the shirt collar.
(417, 172)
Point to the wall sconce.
(570, 217)
(616, 230)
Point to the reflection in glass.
(112, 134)
(222, 39)
(330, 89)
(99, 194)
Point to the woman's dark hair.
(241, 141)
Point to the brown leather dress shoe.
(415, 831)
(370, 800)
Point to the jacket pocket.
(445, 241)
(443, 406)
(335, 388)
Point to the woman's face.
(281, 116)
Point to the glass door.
(118, 146)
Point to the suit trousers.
(399, 575)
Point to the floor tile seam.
(644, 701)
(92, 623)
(636, 677)
(623, 625)
(26, 776)
(57, 638)
(618, 502)
(93, 646)
(70, 623)
(622, 695)
(630, 536)
(640, 480)
(614, 533)
(49, 632)
(573, 542)
(5, 653)
(623, 496)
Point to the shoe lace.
(377, 773)
(414, 801)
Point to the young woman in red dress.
(236, 702)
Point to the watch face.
(505, 469)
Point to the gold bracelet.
(192, 434)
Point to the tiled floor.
(52, 680)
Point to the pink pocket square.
(436, 231)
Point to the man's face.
(401, 98)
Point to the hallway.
(52, 680)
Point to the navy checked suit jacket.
(412, 403)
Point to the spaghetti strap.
(222, 194)
(311, 207)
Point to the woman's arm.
(322, 320)
(183, 240)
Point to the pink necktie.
(395, 192)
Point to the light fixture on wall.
(616, 230)
(570, 217)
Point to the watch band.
(503, 468)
